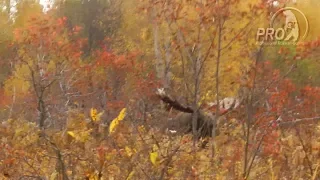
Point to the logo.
(289, 29)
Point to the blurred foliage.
(91, 68)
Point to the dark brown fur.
(182, 124)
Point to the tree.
(49, 59)
(99, 19)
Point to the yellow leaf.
(145, 34)
(71, 134)
(54, 175)
(315, 173)
(141, 129)
(113, 125)
(84, 136)
(94, 115)
(109, 157)
(128, 151)
(122, 114)
(130, 175)
(155, 147)
(99, 116)
(153, 158)
(93, 176)
(117, 120)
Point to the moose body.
(206, 122)
(182, 124)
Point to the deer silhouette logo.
(291, 26)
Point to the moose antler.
(172, 103)
(226, 105)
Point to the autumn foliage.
(79, 81)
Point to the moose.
(182, 122)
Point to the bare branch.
(297, 121)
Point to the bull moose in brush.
(182, 122)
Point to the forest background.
(79, 81)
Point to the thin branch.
(168, 161)
(59, 157)
(296, 121)
(305, 150)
